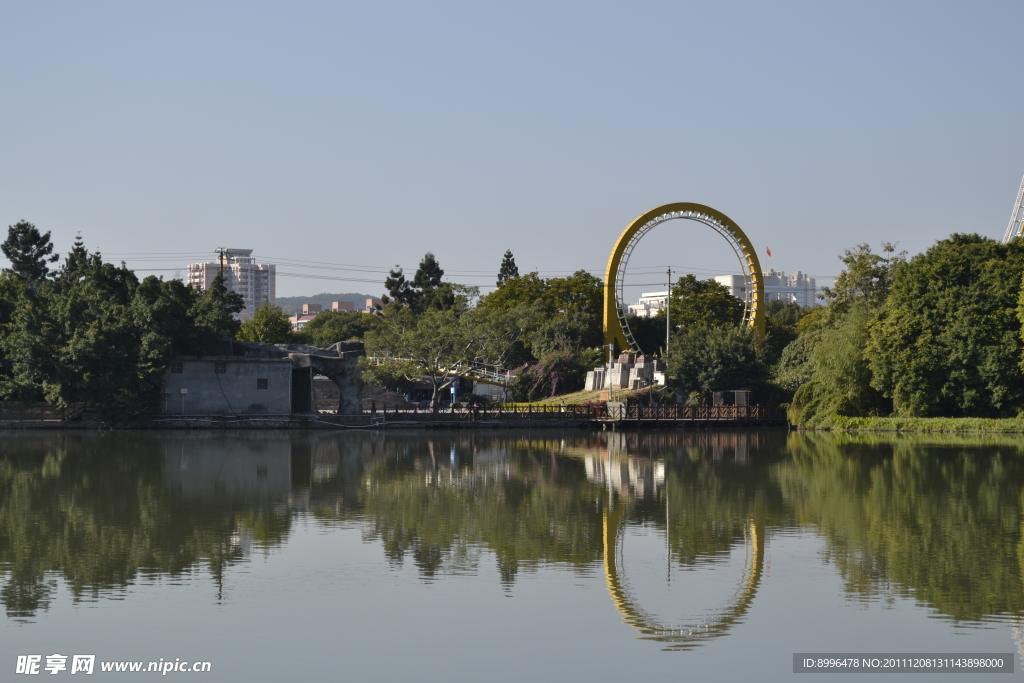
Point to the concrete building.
(649, 305)
(256, 282)
(253, 378)
(797, 287)
(629, 371)
(228, 386)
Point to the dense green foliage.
(94, 334)
(567, 310)
(936, 336)
(703, 303)
(559, 372)
(704, 359)
(827, 363)
(331, 327)
(28, 251)
(268, 324)
(840, 381)
(947, 339)
(436, 342)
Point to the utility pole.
(668, 313)
(220, 257)
(611, 350)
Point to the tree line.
(91, 332)
(938, 334)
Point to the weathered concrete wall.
(235, 391)
(287, 368)
(240, 468)
(337, 363)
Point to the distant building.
(797, 288)
(310, 311)
(649, 305)
(256, 282)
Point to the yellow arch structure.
(680, 637)
(616, 329)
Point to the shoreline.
(397, 422)
(921, 425)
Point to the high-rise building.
(256, 282)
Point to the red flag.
(769, 251)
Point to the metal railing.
(584, 412)
(492, 374)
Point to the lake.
(506, 555)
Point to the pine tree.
(215, 309)
(428, 275)
(425, 290)
(509, 269)
(28, 251)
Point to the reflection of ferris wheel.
(616, 326)
(685, 635)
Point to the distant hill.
(292, 305)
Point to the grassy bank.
(964, 425)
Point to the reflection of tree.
(527, 510)
(938, 520)
(935, 519)
(93, 510)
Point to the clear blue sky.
(370, 133)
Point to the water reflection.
(935, 520)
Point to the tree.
(78, 340)
(28, 251)
(561, 371)
(529, 288)
(697, 303)
(780, 329)
(867, 276)
(947, 340)
(705, 358)
(840, 375)
(95, 334)
(793, 367)
(331, 327)
(268, 324)
(828, 361)
(399, 288)
(425, 290)
(439, 344)
(570, 306)
(216, 309)
(508, 269)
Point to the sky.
(341, 139)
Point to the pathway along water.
(468, 555)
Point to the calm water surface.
(506, 556)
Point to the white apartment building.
(798, 287)
(254, 281)
(649, 305)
